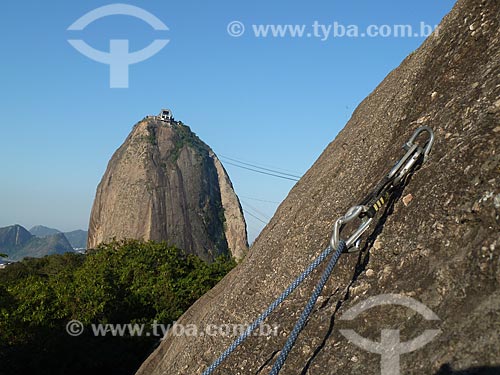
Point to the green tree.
(119, 282)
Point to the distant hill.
(43, 231)
(18, 243)
(13, 236)
(77, 238)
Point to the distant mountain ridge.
(14, 235)
(43, 231)
(18, 243)
(77, 238)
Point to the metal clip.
(413, 152)
(395, 176)
(429, 144)
(352, 214)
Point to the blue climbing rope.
(307, 310)
(364, 211)
(276, 303)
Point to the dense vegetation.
(121, 282)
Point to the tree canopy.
(119, 283)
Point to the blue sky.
(271, 101)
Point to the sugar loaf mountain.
(440, 245)
(165, 184)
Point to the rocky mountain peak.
(165, 184)
(14, 235)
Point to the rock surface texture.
(440, 248)
(165, 184)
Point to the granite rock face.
(440, 247)
(165, 184)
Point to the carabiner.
(429, 144)
(413, 152)
(352, 213)
(393, 178)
